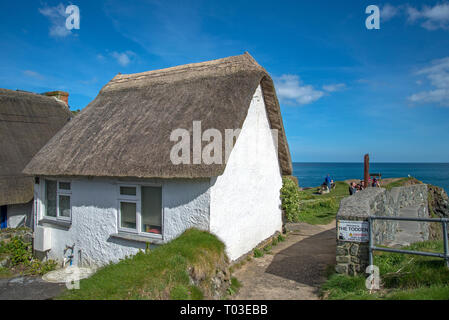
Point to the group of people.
(353, 187)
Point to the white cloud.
(291, 90)
(436, 17)
(33, 74)
(57, 17)
(334, 87)
(438, 75)
(388, 11)
(123, 58)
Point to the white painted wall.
(94, 217)
(245, 200)
(20, 215)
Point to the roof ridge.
(197, 66)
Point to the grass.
(401, 182)
(258, 253)
(234, 287)
(162, 273)
(403, 277)
(320, 208)
(317, 208)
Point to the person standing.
(328, 182)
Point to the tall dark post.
(366, 170)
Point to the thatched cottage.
(108, 181)
(27, 122)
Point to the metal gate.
(443, 221)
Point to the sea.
(313, 174)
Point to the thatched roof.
(125, 131)
(27, 122)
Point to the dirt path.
(294, 270)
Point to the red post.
(366, 170)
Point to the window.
(140, 209)
(128, 215)
(58, 199)
(151, 215)
(50, 194)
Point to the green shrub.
(21, 257)
(234, 287)
(281, 238)
(19, 251)
(258, 253)
(274, 242)
(290, 199)
(267, 248)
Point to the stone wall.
(352, 257)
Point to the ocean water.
(313, 174)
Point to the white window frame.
(59, 192)
(131, 199)
(138, 201)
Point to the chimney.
(60, 95)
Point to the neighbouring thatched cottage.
(115, 178)
(27, 122)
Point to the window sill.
(137, 238)
(56, 222)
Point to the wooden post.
(366, 171)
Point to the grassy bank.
(403, 277)
(401, 182)
(309, 206)
(164, 273)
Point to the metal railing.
(443, 221)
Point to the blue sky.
(344, 90)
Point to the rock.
(438, 201)
(342, 259)
(341, 268)
(342, 251)
(354, 249)
(4, 261)
(355, 260)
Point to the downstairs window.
(140, 209)
(58, 199)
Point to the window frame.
(62, 192)
(138, 200)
